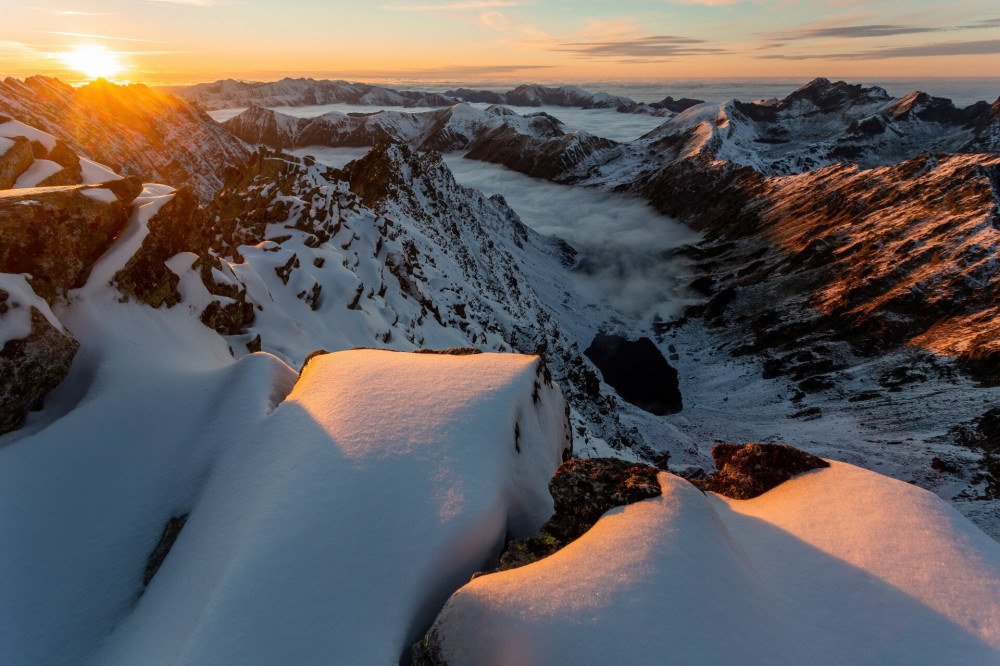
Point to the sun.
(93, 61)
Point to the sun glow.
(93, 61)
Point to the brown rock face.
(583, 490)
(57, 234)
(15, 161)
(749, 470)
(30, 367)
(179, 226)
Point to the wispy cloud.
(984, 47)
(459, 6)
(655, 47)
(853, 32)
(94, 36)
(191, 3)
(66, 12)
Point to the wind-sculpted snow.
(783, 578)
(135, 130)
(329, 526)
(454, 128)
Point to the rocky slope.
(228, 93)
(135, 130)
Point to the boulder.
(56, 234)
(36, 360)
(15, 161)
(749, 470)
(583, 490)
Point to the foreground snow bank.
(328, 526)
(839, 565)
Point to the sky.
(187, 41)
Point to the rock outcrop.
(56, 234)
(749, 470)
(36, 353)
(583, 490)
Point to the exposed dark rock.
(983, 434)
(15, 161)
(179, 226)
(170, 533)
(454, 351)
(30, 367)
(676, 105)
(583, 490)
(749, 470)
(56, 235)
(638, 372)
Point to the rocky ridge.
(133, 129)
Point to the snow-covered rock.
(454, 128)
(825, 123)
(35, 350)
(533, 94)
(839, 565)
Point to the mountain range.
(243, 388)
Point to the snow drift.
(839, 565)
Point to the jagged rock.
(454, 351)
(32, 365)
(57, 234)
(749, 470)
(638, 372)
(583, 490)
(179, 226)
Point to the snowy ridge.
(454, 128)
(824, 123)
(229, 93)
(753, 581)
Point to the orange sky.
(182, 41)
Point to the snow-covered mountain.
(200, 486)
(229, 93)
(826, 123)
(454, 128)
(134, 129)
(537, 95)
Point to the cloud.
(93, 36)
(612, 29)
(985, 47)
(66, 12)
(626, 250)
(656, 46)
(853, 32)
(495, 20)
(709, 3)
(190, 3)
(458, 6)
